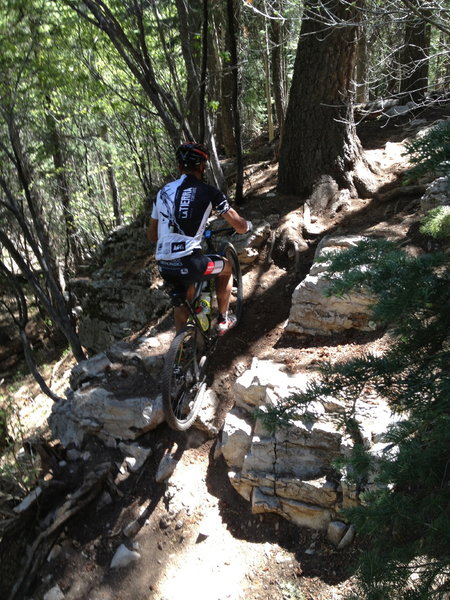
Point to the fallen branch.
(42, 544)
(399, 192)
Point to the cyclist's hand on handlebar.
(249, 227)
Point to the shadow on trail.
(325, 563)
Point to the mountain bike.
(184, 372)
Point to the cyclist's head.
(191, 155)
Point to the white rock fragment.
(336, 531)
(124, 557)
(166, 468)
(348, 538)
(54, 593)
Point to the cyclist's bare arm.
(153, 230)
(236, 221)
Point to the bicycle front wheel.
(183, 380)
(237, 294)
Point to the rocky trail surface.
(190, 536)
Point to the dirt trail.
(197, 538)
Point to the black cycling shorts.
(189, 269)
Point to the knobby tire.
(237, 294)
(183, 380)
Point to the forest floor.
(197, 538)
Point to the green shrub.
(405, 517)
(436, 222)
(430, 154)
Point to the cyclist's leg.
(185, 272)
(220, 268)
(224, 284)
(181, 313)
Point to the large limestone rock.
(290, 471)
(436, 194)
(114, 395)
(122, 295)
(313, 313)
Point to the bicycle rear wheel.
(183, 379)
(237, 294)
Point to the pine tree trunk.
(414, 60)
(73, 252)
(233, 20)
(320, 135)
(278, 74)
(362, 89)
(114, 189)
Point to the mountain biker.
(179, 216)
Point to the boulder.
(290, 470)
(121, 294)
(313, 313)
(114, 395)
(436, 194)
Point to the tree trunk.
(56, 150)
(278, 71)
(362, 85)
(320, 136)
(116, 201)
(232, 11)
(223, 84)
(414, 59)
(190, 24)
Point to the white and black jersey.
(182, 208)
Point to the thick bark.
(320, 135)
(362, 90)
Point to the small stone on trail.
(131, 529)
(123, 557)
(336, 531)
(348, 538)
(166, 468)
(54, 593)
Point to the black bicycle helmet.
(190, 155)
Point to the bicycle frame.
(184, 371)
(199, 285)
